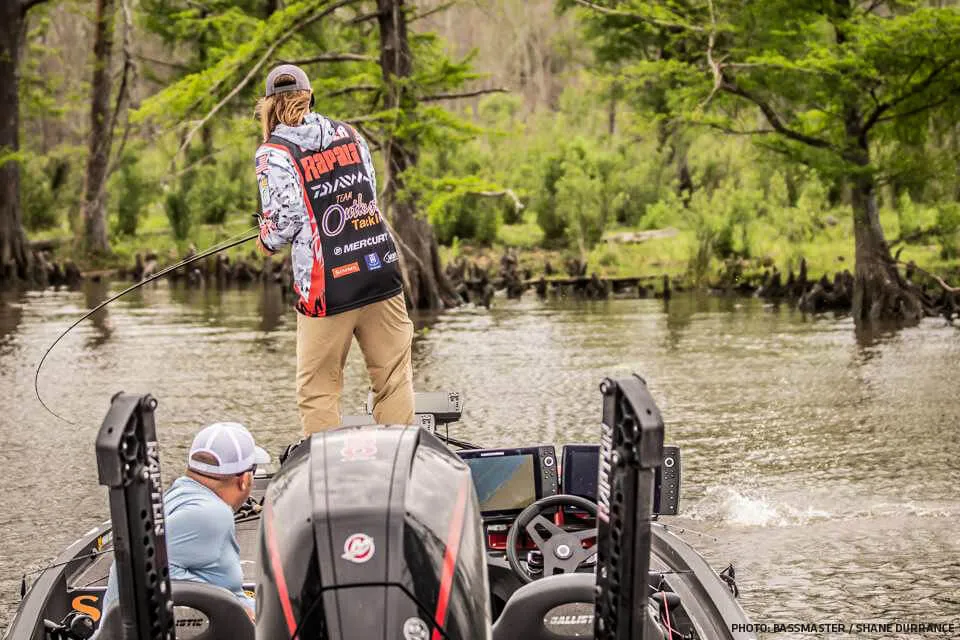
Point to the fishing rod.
(247, 235)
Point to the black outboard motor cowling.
(372, 532)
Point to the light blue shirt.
(201, 540)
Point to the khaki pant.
(385, 333)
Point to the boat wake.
(744, 508)
(733, 506)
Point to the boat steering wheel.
(563, 551)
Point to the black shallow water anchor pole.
(631, 448)
(128, 464)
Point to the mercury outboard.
(372, 533)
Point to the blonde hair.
(288, 107)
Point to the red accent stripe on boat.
(450, 559)
(277, 566)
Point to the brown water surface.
(823, 465)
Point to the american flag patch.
(262, 163)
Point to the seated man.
(199, 508)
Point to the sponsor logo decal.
(340, 133)
(390, 256)
(603, 482)
(571, 620)
(361, 244)
(568, 620)
(373, 261)
(360, 214)
(339, 184)
(359, 448)
(190, 623)
(358, 548)
(87, 605)
(415, 629)
(345, 270)
(329, 159)
(156, 486)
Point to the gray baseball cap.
(231, 445)
(300, 80)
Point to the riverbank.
(815, 274)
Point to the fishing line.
(23, 579)
(247, 235)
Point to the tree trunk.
(425, 283)
(879, 291)
(14, 254)
(101, 134)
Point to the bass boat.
(389, 532)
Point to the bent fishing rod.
(247, 235)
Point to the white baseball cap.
(231, 445)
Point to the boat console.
(382, 532)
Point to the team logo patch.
(264, 191)
(358, 548)
(345, 270)
(360, 214)
(373, 261)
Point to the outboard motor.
(372, 532)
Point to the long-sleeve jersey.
(318, 194)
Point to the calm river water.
(824, 467)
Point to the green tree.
(824, 82)
(14, 254)
(389, 86)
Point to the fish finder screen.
(580, 470)
(504, 483)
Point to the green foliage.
(459, 209)
(662, 158)
(241, 40)
(37, 194)
(948, 224)
(554, 225)
(131, 190)
(907, 215)
(581, 201)
(221, 188)
(178, 213)
(50, 187)
(525, 235)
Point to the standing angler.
(318, 194)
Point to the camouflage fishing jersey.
(318, 194)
